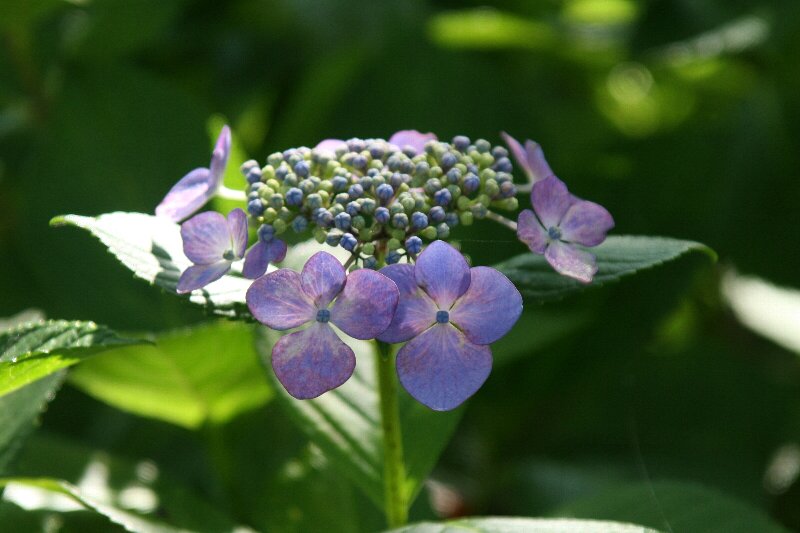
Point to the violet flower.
(212, 243)
(530, 158)
(197, 187)
(261, 254)
(560, 221)
(315, 360)
(449, 313)
(412, 138)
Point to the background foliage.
(681, 117)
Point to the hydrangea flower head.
(197, 187)
(560, 221)
(212, 242)
(314, 360)
(530, 158)
(449, 313)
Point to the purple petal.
(517, 151)
(198, 276)
(365, 307)
(237, 225)
(550, 199)
(260, 255)
(206, 238)
(187, 196)
(569, 261)
(219, 157)
(586, 223)
(323, 278)
(442, 272)
(278, 300)
(441, 368)
(531, 232)
(312, 361)
(415, 310)
(537, 164)
(412, 138)
(489, 308)
(330, 145)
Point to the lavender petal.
(517, 151)
(198, 276)
(365, 307)
(442, 272)
(415, 310)
(489, 308)
(537, 164)
(586, 223)
(411, 138)
(531, 232)
(441, 368)
(219, 157)
(569, 261)
(187, 196)
(550, 199)
(278, 301)
(260, 255)
(312, 361)
(323, 278)
(206, 238)
(237, 225)
(330, 146)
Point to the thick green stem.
(395, 494)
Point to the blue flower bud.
(373, 172)
(448, 160)
(253, 175)
(352, 208)
(355, 191)
(299, 224)
(333, 237)
(393, 257)
(384, 192)
(503, 165)
(356, 145)
(367, 205)
(370, 262)
(406, 166)
(454, 175)
(281, 172)
(294, 196)
(339, 183)
(398, 179)
(265, 232)
(348, 242)
(255, 207)
(471, 183)
(359, 161)
(451, 220)
(437, 214)
(365, 182)
(502, 177)
(376, 151)
(324, 218)
(442, 231)
(314, 201)
(413, 245)
(307, 186)
(499, 152)
(483, 146)
(342, 221)
(432, 185)
(419, 220)
(342, 198)
(461, 142)
(276, 201)
(423, 169)
(301, 169)
(400, 220)
(442, 197)
(382, 215)
(507, 189)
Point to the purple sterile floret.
(449, 313)
(212, 242)
(197, 187)
(261, 254)
(412, 138)
(530, 158)
(330, 146)
(560, 221)
(315, 360)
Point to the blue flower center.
(442, 317)
(323, 315)
(554, 233)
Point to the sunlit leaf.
(523, 525)
(488, 29)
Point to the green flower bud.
(325, 186)
(266, 193)
(394, 244)
(365, 235)
(275, 159)
(376, 163)
(466, 218)
(368, 249)
(486, 160)
(358, 222)
(313, 201)
(276, 201)
(463, 203)
(335, 209)
(479, 211)
(368, 205)
(279, 225)
(274, 184)
(403, 187)
(429, 233)
(436, 171)
(491, 188)
(285, 214)
(398, 234)
(509, 204)
(486, 174)
(320, 235)
(323, 194)
(442, 231)
(455, 191)
(484, 200)
(396, 208)
(290, 180)
(408, 203)
(270, 214)
(267, 173)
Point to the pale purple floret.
(530, 158)
(260, 255)
(212, 242)
(314, 360)
(449, 313)
(197, 187)
(330, 146)
(560, 221)
(412, 138)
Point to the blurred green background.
(682, 117)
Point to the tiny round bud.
(448, 160)
(342, 221)
(382, 215)
(281, 172)
(358, 222)
(301, 168)
(451, 220)
(465, 218)
(270, 214)
(507, 189)
(482, 146)
(498, 152)
(442, 197)
(376, 151)
(455, 191)
(368, 249)
(461, 142)
(359, 161)
(279, 225)
(276, 201)
(370, 262)
(393, 244)
(400, 220)
(348, 242)
(442, 231)
(299, 224)
(275, 159)
(324, 218)
(479, 211)
(414, 245)
(408, 203)
(255, 207)
(422, 170)
(393, 257)
(294, 196)
(436, 213)
(352, 208)
(419, 220)
(290, 180)
(339, 183)
(491, 188)
(367, 205)
(503, 165)
(333, 237)
(314, 201)
(454, 175)
(429, 233)
(384, 192)
(320, 235)
(253, 174)
(463, 203)
(266, 232)
(432, 185)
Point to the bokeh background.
(682, 117)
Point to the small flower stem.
(510, 224)
(394, 477)
(231, 194)
(524, 188)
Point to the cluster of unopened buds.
(391, 204)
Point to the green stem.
(395, 495)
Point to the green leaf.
(153, 249)
(617, 257)
(345, 424)
(674, 506)
(488, 29)
(35, 350)
(523, 525)
(190, 377)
